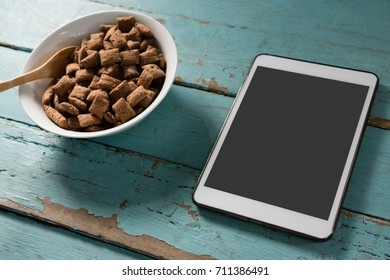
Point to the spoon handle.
(25, 78)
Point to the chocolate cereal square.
(92, 60)
(97, 92)
(137, 95)
(79, 93)
(96, 41)
(144, 30)
(86, 120)
(108, 57)
(107, 82)
(130, 57)
(125, 24)
(63, 85)
(122, 90)
(99, 106)
(84, 75)
(123, 111)
(117, 39)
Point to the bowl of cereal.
(123, 66)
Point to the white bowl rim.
(37, 114)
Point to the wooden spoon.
(52, 68)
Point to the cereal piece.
(136, 96)
(122, 90)
(132, 85)
(92, 60)
(47, 96)
(162, 63)
(149, 56)
(134, 35)
(88, 120)
(144, 30)
(74, 123)
(83, 43)
(109, 117)
(145, 102)
(93, 94)
(75, 55)
(139, 110)
(93, 83)
(117, 39)
(113, 70)
(145, 79)
(99, 106)
(79, 93)
(108, 57)
(123, 111)
(81, 105)
(96, 41)
(108, 83)
(69, 108)
(72, 68)
(109, 32)
(156, 71)
(131, 71)
(63, 85)
(125, 24)
(94, 128)
(82, 53)
(105, 27)
(107, 45)
(130, 57)
(132, 44)
(145, 44)
(57, 105)
(84, 75)
(56, 117)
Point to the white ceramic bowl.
(71, 34)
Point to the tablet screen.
(288, 143)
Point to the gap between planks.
(106, 229)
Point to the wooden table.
(128, 196)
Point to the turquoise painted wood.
(134, 189)
(153, 197)
(33, 240)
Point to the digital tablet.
(287, 147)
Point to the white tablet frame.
(269, 214)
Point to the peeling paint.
(156, 163)
(200, 62)
(212, 107)
(192, 213)
(378, 221)
(179, 79)
(347, 214)
(197, 20)
(379, 122)
(80, 220)
(213, 85)
(123, 204)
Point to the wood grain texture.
(134, 189)
(150, 198)
(25, 239)
(184, 128)
(217, 42)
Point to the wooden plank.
(148, 207)
(25, 239)
(184, 128)
(217, 42)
